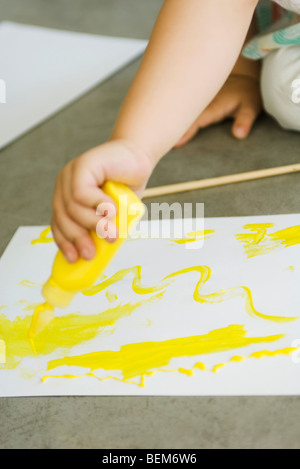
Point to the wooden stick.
(220, 181)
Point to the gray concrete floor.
(28, 169)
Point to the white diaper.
(280, 86)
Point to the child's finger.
(78, 236)
(86, 188)
(71, 231)
(67, 248)
(82, 215)
(243, 123)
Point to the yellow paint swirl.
(205, 274)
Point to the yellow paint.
(198, 366)
(143, 359)
(259, 241)
(194, 236)
(205, 273)
(43, 314)
(141, 383)
(112, 297)
(287, 237)
(259, 355)
(29, 306)
(43, 238)
(29, 284)
(136, 283)
(63, 332)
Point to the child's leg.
(280, 70)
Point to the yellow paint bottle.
(69, 279)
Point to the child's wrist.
(137, 150)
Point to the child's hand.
(78, 193)
(239, 99)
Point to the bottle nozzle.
(56, 296)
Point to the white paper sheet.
(266, 263)
(45, 69)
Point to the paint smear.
(141, 359)
(43, 238)
(193, 236)
(260, 241)
(42, 316)
(112, 297)
(29, 305)
(63, 332)
(29, 284)
(205, 274)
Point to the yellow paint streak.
(194, 236)
(136, 283)
(92, 375)
(43, 237)
(258, 355)
(29, 284)
(259, 241)
(140, 359)
(63, 332)
(42, 316)
(205, 273)
(287, 237)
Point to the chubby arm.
(239, 99)
(192, 50)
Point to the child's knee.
(280, 86)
